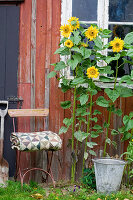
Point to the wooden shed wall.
(39, 37)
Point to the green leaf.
(130, 53)
(129, 125)
(105, 70)
(63, 129)
(132, 74)
(92, 91)
(91, 144)
(76, 38)
(72, 63)
(126, 92)
(51, 74)
(114, 144)
(65, 104)
(111, 58)
(118, 112)
(67, 121)
(98, 43)
(96, 126)
(94, 134)
(131, 115)
(78, 81)
(105, 79)
(122, 129)
(63, 51)
(80, 136)
(97, 112)
(92, 152)
(83, 99)
(62, 41)
(126, 136)
(85, 52)
(65, 81)
(114, 132)
(94, 119)
(76, 59)
(80, 110)
(129, 38)
(108, 141)
(125, 78)
(112, 94)
(64, 88)
(60, 65)
(127, 61)
(85, 155)
(126, 119)
(75, 49)
(102, 102)
(85, 113)
(105, 125)
(106, 31)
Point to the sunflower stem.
(109, 116)
(88, 128)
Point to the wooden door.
(9, 50)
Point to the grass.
(61, 192)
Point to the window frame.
(102, 22)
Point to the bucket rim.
(100, 161)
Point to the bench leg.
(22, 174)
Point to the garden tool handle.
(1, 136)
(2, 128)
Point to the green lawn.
(61, 192)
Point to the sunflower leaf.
(102, 102)
(63, 51)
(51, 74)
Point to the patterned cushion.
(45, 140)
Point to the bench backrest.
(28, 112)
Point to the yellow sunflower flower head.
(92, 72)
(117, 44)
(83, 44)
(68, 43)
(91, 33)
(66, 30)
(74, 23)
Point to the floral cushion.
(44, 140)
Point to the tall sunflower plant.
(83, 47)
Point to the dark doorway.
(9, 51)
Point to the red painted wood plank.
(55, 94)
(24, 71)
(56, 115)
(41, 26)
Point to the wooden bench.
(33, 141)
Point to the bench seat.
(36, 141)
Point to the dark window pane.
(121, 10)
(85, 10)
(124, 69)
(120, 30)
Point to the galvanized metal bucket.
(108, 173)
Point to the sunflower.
(69, 43)
(83, 44)
(74, 23)
(117, 44)
(66, 30)
(91, 32)
(92, 72)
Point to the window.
(116, 15)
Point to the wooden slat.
(11, 0)
(28, 112)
